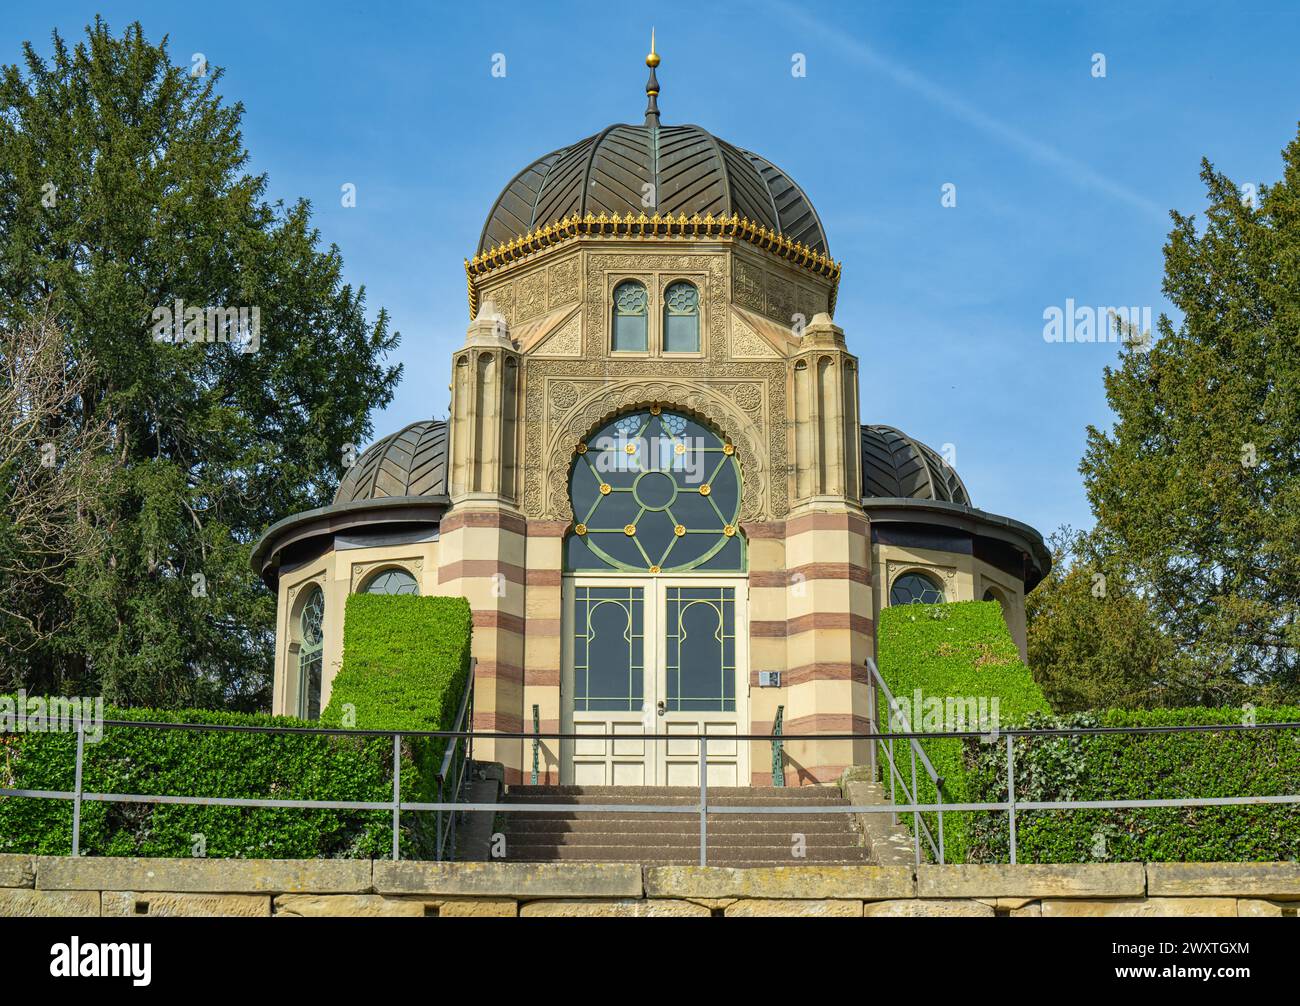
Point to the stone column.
(481, 547)
(828, 628)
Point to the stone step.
(717, 856)
(726, 824)
(646, 835)
(633, 793)
(742, 839)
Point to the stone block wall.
(87, 887)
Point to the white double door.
(654, 655)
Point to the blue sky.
(1063, 180)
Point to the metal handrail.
(919, 826)
(703, 809)
(445, 838)
(537, 740)
(778, 749)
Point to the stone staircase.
(580, 836)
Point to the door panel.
(606, 659)
(654, 656)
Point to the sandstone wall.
(63, 886)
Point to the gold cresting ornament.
(604, 488)
(580, 529)
(652, 58)
(705, 489)
(629, 529)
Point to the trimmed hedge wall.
(405, 665)
(198, 763)
(1144, 767)
(405, 662)
(960, 650)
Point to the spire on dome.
(652, 85)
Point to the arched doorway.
(655, 628)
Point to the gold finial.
(652, 86)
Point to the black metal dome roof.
(896, 466)
(691, 171)
(410, 462)
(649, 169)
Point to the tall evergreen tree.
(124, 189)
(1196, 489)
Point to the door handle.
(660, 707)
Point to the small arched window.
(915, 588)
(682, 318)
(311, 641)
(392, 581)
(631, 313)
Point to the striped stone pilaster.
(825, 626)
(542, 645)
(481, 554)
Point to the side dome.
(690, 170)
(410, 462)
(896, 466)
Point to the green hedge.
(405, 664)
(198, 763)
(960, 651)
(1143, 767)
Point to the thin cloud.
(1044, 153)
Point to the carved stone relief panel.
(746, 344)
(530, 296)
(503, 295)
(780, 299)
(775, 291)
(747, 285)
(566, 340)
(563, 278)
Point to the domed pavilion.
(654, 486)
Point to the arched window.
(915, 588)
(631, 313)
(681, 318)
(311, 639)
(392, 581)
(655, 491)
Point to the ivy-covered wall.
(963, 650)
(1225, 763)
